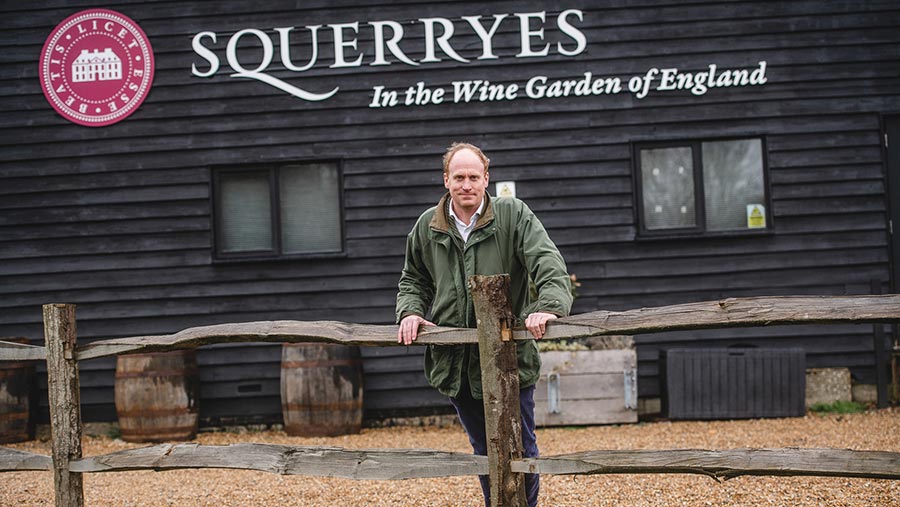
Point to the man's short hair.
(455, 147)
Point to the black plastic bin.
(733, 383)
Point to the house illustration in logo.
(96, 66)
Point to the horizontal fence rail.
(361, 464)
(14, 460)
(721, 464)
(10, 351)
(725, 313)
(400, 464)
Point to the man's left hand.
(537, 323)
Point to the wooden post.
(65, 403)
(500, 384)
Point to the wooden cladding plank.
(391, 464)
(306, 276)
(722, 464)
(833, 338)
(612, 14)
(122, 243)
(802, 141)
(230, 411)
(829, 171)
(100, 229)
(242, 389)
(231, 305)
(743, 263)
(399, 380)
(105, 180)
(412, 398)
(834, 205)
(774, 280)
(871, 188)
(186, 291)
(410, 363)
(621, 22)
(52, 213)
(105, 261)
(84, 197)
(702, 247)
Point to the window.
(701, 187)
(278, 211)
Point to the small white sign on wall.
(505, 189)
(756, 216)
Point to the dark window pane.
(246, 221)
(733, 184)
(667, 183)
(310, 208)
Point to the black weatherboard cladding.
(118, 219)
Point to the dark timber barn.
(675, 151)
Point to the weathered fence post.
(65, 402)
(500, 384)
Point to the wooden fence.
(496, 338)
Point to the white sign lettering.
(387, 36)
(542, 87)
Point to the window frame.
(699, 230)
(276, 252)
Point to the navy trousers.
(471, 415)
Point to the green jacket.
(508, 239)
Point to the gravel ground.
(872, 430)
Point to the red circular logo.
(96, 67)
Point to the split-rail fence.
(496, 338)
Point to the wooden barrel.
(17, 398)
(321, 389)
(156, 396)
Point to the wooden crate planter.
(587, 387)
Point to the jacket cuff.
(407, 314)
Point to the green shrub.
(113, 432)
(838, 407)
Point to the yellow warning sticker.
(506, 189)
(756, 216)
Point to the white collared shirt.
(464, 228)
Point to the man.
(470, 233)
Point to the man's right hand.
(409, 329)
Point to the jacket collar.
(441, 219)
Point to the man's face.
(466, 180)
